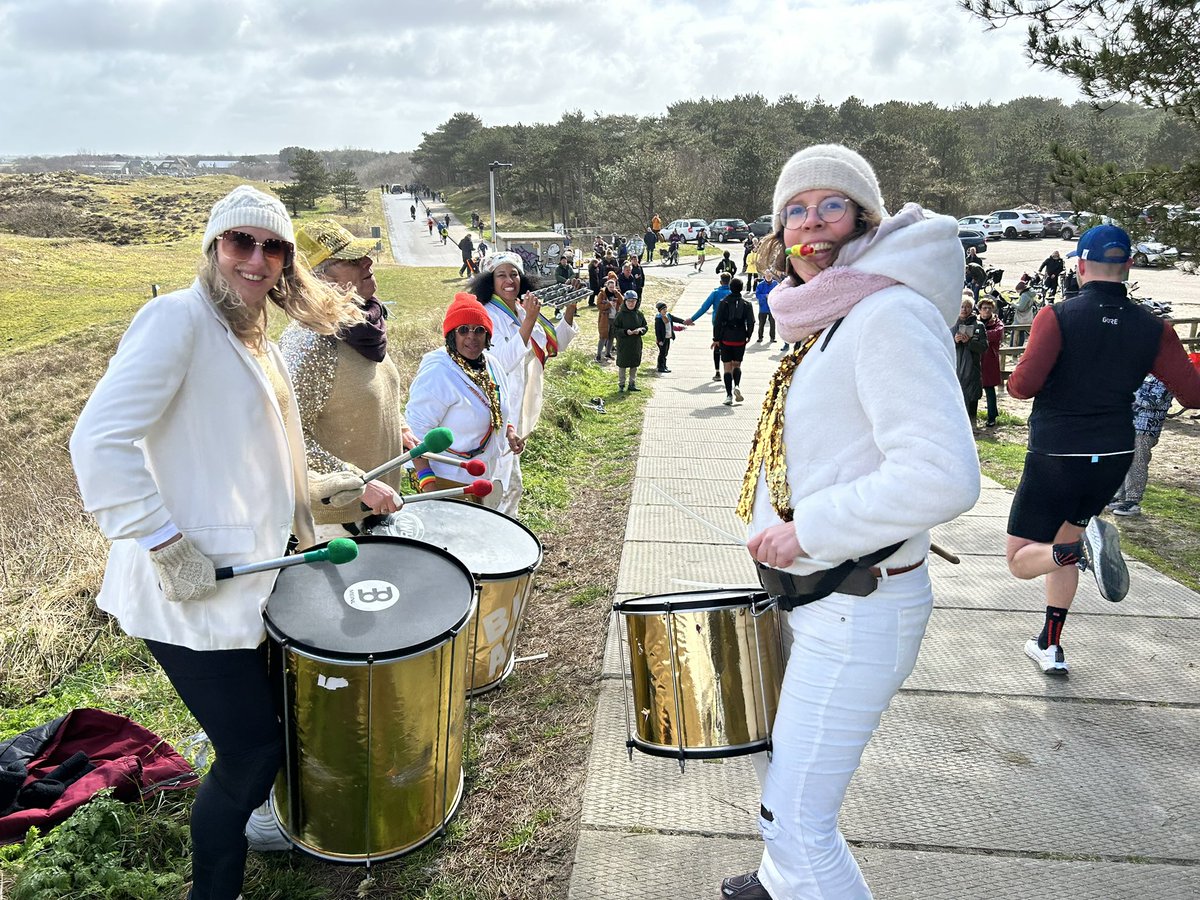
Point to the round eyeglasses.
(465, 330)
(829, 211)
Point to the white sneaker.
(1102, 544)
(1052, 660)
(263, 832)
(737, 395)
(728, 401)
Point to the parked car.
(973, 237)
(761, 226)
(1019, 222)
(1152, 253)
(990, 229)
(1052, 223)
(723, 230)
(689, 228)
(1079, 222)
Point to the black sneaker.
(1102, 556)
(634, 387)
(744, 887)
(716, 376)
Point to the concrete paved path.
(986, 780)
(412, 244)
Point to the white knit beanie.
(830, 166)
(248, 206)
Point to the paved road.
(412, 244)
(986, 779)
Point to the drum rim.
(293, 644)
(691, 601)
(489, 576)
(721, 751)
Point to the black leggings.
(229, 692)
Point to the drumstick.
(475, 467)
(480, 487)
(337, 551)
(437, 440)
(944, 553)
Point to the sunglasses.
(241, 246)
(466, 330)
(829, 211)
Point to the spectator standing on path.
(1086, 358)
(1026, 309)
(732, 326)
(467, 247)
(595, 282)
(1150, 405)
(564, 272)
(665, 326)
(1053, 267)
(713, 301)
(701, 243)
(970, 342)
(992, 376)
(608, 302)
(764, 308)
(189, 448)
(639, 275)
(650, 238)
(625, 281)
(861, 448)
(655, 223)
(622, 251)
(751, 263)
(629, 325)
(748, 246)
(725, 264)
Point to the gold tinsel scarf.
(481, 377)
(767, 448)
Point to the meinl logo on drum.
(371, 595)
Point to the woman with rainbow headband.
(463, 387)
(522, 341)
(861, 448)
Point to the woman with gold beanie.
(463, 387)
(861, 448)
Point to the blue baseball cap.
(1104, 244)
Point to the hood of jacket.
(918, 249)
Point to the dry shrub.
(51, 554)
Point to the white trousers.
(510, 500)
(848, 657)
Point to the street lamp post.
(492, 167)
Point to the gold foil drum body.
(501, 554)
(371, 658)
(705, 672)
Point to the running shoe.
(1129, 508)
(1102, 556)
(744, 887)
(1052, 660)
(728, 401)
(737, 395)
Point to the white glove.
(342, 488)
(184, 573)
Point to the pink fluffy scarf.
(804, 309)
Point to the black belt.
(853, 577)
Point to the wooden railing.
(1187, 329)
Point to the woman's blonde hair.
(315, 304)
(773, 250)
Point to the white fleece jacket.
(877, 440)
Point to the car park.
(689, 228)
(1019, 223)
(723, 230)
(761, 226)
(973, 237)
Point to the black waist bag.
(851, 577)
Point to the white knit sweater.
(876, 436)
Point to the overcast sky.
(215, 77)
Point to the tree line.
(720, 157)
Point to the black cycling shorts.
(1058, 489)
(732, 353)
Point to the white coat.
(185, 428)
(441, 395)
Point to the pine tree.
(312, 178)
(344, 185)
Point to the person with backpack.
(732, 326)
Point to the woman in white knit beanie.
(189, 454)
(861, 448)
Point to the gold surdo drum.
(371, 657)
(501, 554)
(705, 669)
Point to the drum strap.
(853, 577)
